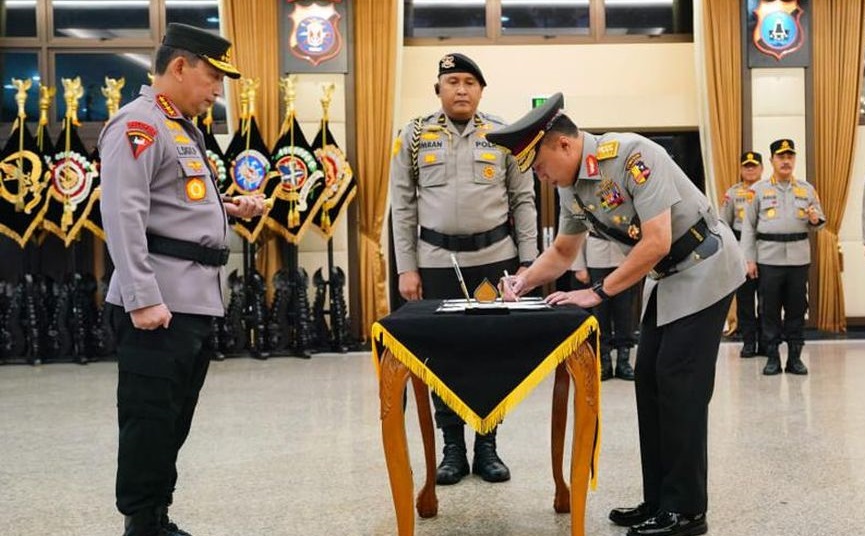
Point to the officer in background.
(775, 240)
(736, 202)
(630, 190)
(597, 259)
(453, 192)
(167, 234)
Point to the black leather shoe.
(624, 371)
(628, 517)
(794, 360)
(773, 366)
(170, 528)
(671, 524)
(606, 366)
(486, 463)
(748, 350)
(454, 466)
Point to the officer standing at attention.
(628, 189)
(736, 202)
(167, 234)
(597, 259)
(776, 245)
(455, 193)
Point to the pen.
(507, 282)
(460, 277)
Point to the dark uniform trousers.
(746, 311)
(614, 315)
(783, 287)
(161, 373)
(442, 283)
(675, 377)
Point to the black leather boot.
(749, 349)
(487, 463)
(143, 523)
(623, 366)
(794, 360)
(628, 517)
(773, 365)
(606, 365)
(170, 528)
(455, 464)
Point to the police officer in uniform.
(628, 189)
(454, 192)
(167, 234)
(775, 239)
(736, 202)
(597, 259)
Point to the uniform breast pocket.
(487, 167)
(431, 169)
(769, 208)
(194, 182)
(801, 204)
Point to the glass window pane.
(649, 17)
(202, 13)
(102, 19)
(551, 17)
(17, 18)
(93, 68)
(445, 18)
(19, 65)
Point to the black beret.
(521, 138)
(750, 157)
(210, 47)
(783, 145)
(459, 63)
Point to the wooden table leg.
(583, 368)
(562, 499)
(392, 383)
(427, 502)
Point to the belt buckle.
(655, 275)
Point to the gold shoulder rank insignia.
(800, 191)
(608, 149)
(429, 136)
(397, 145)
(180, 138)
(167, 106)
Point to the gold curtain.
(252, 26)
(724, 85)
(837, 62)
(375, 40)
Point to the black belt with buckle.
(469, 242)
(184, 249)
(737, 234)
(782, 237)
(681, 248)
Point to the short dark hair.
(165, 54)
(562, 125)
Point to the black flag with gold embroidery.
(22, 185)
(340, 186)
(297, 195)
(249, 168)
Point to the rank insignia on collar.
(167, 106)
(591, 165)
(608, 149)
(140, 136)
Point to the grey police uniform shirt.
(465, 185)
(155, 179)
(598, 253)
(735, 204)
(780, 208)
(624, 176)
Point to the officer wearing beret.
(167, 234)
(597, 259)
(455, 193)
(628, 189)
(775, 239)
(735, 204)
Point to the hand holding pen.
(511, 287)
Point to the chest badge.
(489, 172)
(196, 189)
(610, 195)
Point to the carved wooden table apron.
(397, 359)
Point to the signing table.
(482, 366)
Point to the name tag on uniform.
(187, 150)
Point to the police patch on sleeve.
(140, 136)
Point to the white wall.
(850, 235)
(778, 111)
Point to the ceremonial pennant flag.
(72, 174)
(249, 168)
(215, 156)
(22, 185)
(340, 186)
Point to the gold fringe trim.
(294, 238)
(35, 224)
(349, 196)
(487, 424)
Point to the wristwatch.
(598, 288)
(525, 264)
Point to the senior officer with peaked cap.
(167, 234)
(627, 188)
(469, 200)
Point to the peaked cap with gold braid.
(208, 46)
(522, 137)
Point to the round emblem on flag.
(196, 189)
(249, 170)
(292, 172)
(72, 176)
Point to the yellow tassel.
(19, 203)
(66, 220)
(325, 221)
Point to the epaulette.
(489, 118)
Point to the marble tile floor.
(290, 447)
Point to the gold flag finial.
(244, 101)
(328, 89)
(250, 89)
(22, 87)
(72, 91)
(112, 95)
(289, 94)
(208, 119)
(46, 95)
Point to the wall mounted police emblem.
(315, 33)
(778, 31)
